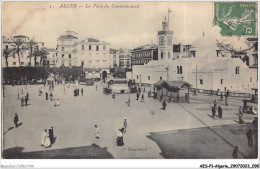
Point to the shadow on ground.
(86, 152)
(205, 143)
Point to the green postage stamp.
(236, 18)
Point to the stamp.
(236, 18)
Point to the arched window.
(178, 70)
(169, 55)
(161, 55)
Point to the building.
(89, 53)
(51, 57)
(165, 47)
(183, 51)
(114, 57)
(202, 73)
(24, 55)
(67, 49)
(253, 52)
(144, 54)
(124, 58)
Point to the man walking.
(81, 91)
(22, 101)
(219, 111)
(26, 101)
(213, 112)
(249, 135)
(221, 97)
(46, 94)
(16, 119)
(125, 125)
(164, 105)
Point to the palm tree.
(19, 48)
(43, 55)
(6, 54)
(30, 46)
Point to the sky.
(121, 27)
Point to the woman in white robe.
(45, 139)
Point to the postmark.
(236, 18)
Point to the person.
(226, 101)
(155, 95)
(235, 152)
(45, 139)
(240, 118)
(120, 140)
(164, 105)
(46, 94)
(249, 135)
(137, 95)
(51, 96)
(128, 102)
(219, 111)
(113, 96)
(213, 112)
(142, 98)
(215, 103)
(240, 111)
(125, 125)
(27, 96)
(211, 92)
(57, 102)
(16, 119)
(81, 91)
(96, 87)
(51, 134)
(26, 101)
(144, 89)
(227, 94)
(221, 97)
(149, 93)
(255, 123)
(22, 101)
(97, 132)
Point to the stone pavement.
(75, 118)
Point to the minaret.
(165, 48)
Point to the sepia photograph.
(129, 80)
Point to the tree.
(19, 48)
(6, 54)
(43, 55)
(30, 46)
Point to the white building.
(25, 60)
(90, 53)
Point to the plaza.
(182, 131)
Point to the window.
(183, 49)
(221, 81)
(161, 55)
(97, 48)
(180, 69)
(104, 47)
(22, 63)
(70, 56)
(160, 78)
(62, 55)
(89, 47)
(250, 79)
(14, 63)
(148, 77)
(201, 81)
(169, 55)
(82, 63)
(82, 47)
(62, 49)
(137, 77)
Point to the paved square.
(181, 131)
